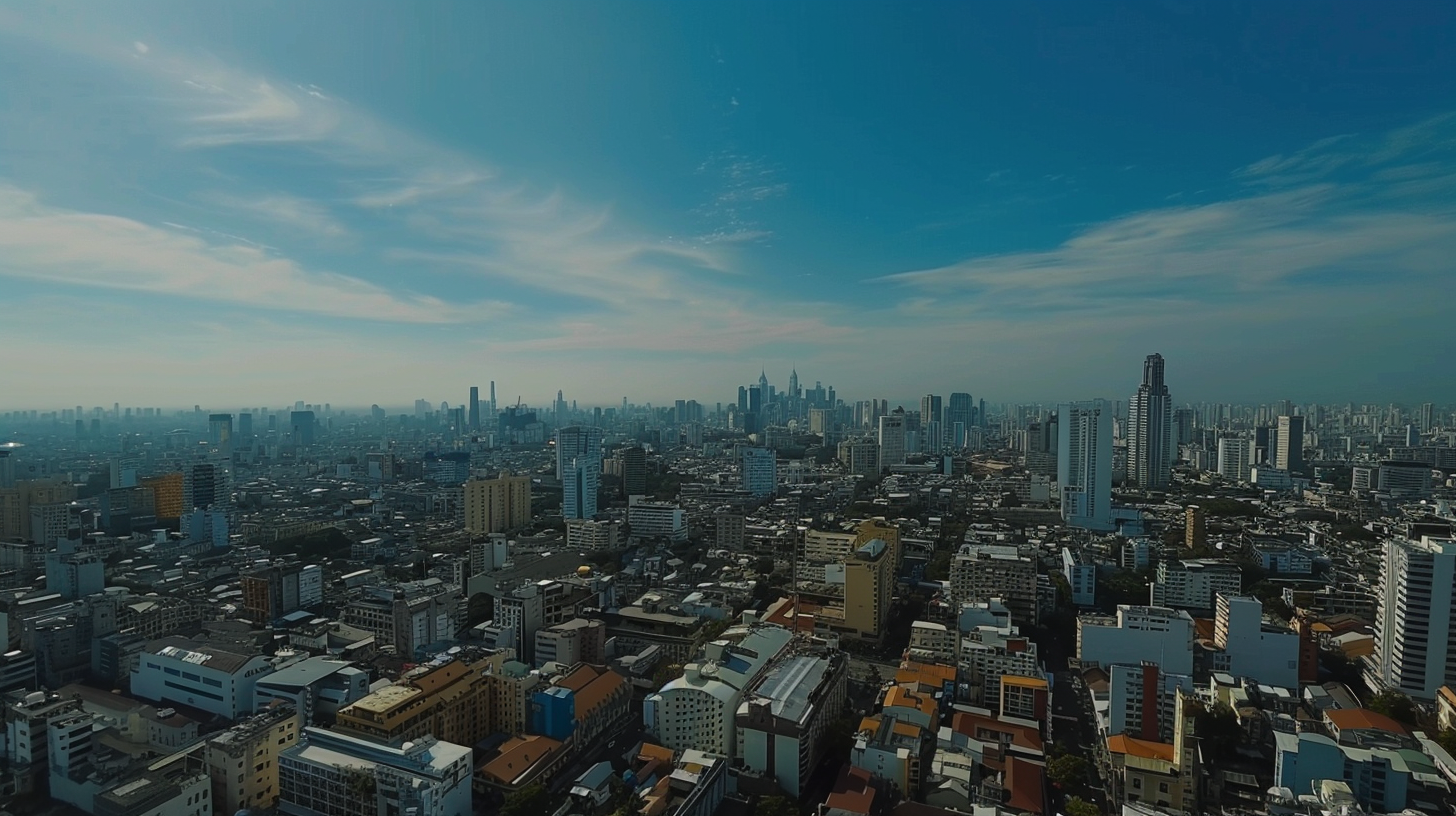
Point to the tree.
(1068, 771)
(666, 673)
(775, 806)
(1077, 806)
(532, 800)
(1447, 739)
(1394, 705)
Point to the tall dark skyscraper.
(474, 407)
(1150, 429)
(930, 409)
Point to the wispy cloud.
(1377, 228)
(288, 211)
(103, 251)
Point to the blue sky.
(371, 202)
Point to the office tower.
(930, 410)
(1428, 417)
(634, 470)
(474, 407)
(960, 410)
(794, 384)
(220, 431)
(1084, 464)
(7, 469)
(205, 485)
(1289, 449)
(1150, 449)
(1042, 441)
(1182, 427)
(302, 425)
(245, 426)
(892, 439)
(758, 469)
(742, 399)
(492, 398)
(1415, 634)
(579, 466)
(497, 505)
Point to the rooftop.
(790, 685)
(1357, 719)
(1146, 749)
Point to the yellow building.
(497, 505)
(877, 527)
(449, 701)
(1157, 773)
(869, 587)
(243, 760)
(1024, 697)
(167, 491)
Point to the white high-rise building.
(1084, 464)
(1150, 448)
(1289, 449)
(759, 470)
(892, 439)
(1415, 624)
(579, 467)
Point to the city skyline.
(567, 195)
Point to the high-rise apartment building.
(497, 505)
(1235, 457)
(474, 408)
(220, 431)
(1150, 448)
(1289, 450)
(1084, 464)
(758, 468)
(303, 427)
(1415, 620)
(634, 470)
(892, 439)
(579, 467)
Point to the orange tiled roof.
(1018, 680)
(852, 792)
(932, 674)
(906, 698)
(591, 685)
(519, 755)
(1147, 749)
(651, 751)
(1360, 719)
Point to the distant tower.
(1150, 449)
(763, 383)
(492, 396)
(474, 407)
(794, 384)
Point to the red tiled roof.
(1024, 780)
(852, 791)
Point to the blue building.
(553, 713)
(1380, 778)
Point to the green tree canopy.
(1068, 771)
(532, 800)
(1077, 806)
(1394, 705)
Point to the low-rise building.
(782, 718)
(206, 677)
(327, 773)
(317, 687)
(1136, 634)
(243, 760)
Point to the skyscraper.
(474, 407)
(1428, 417)
(579, 466)
(960, 409)
(1084, 464)
(1150, 449)
(303, 427)
(930, 409)
(220, 431)
(1415, 634)
(1289, 449)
